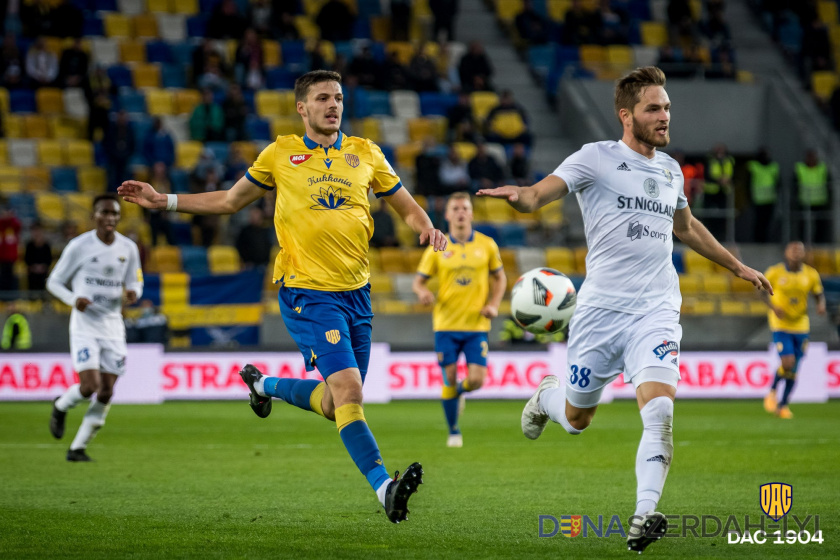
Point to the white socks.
(553, 403)
(380, 492)
(71, 397)
(93, 420)
(655, 452)
(259, 385)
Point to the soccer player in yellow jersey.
(793, 281)
(472, 284)
(323, 224)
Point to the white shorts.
(105, 354)
(604, 343)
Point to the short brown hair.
(305, 82)
(628, 90)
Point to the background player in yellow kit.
(793, 281)
(323, 224)
(472, 284)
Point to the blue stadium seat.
(100, 158)
(158, 51)
(512, 235)
(489, 230)
(295, 57)
(388, 152)
(541, 7)
(141, 124)
(379, 102)
(23, 206)
(194, 261)
(104, 5)
(541, 58)
(378, 51)
(361, 28)
(344, 48)
(432, 103)
(196, 26)
(206, 6)
(173, 76)
(248, 94)
(92, 25)
(120, 76)
(81, 4)
(369, 8)
(280, 78)
(182, 52)
(677, 259)
(257, 128)
(180, 180)
(22, 101)
(132, 101)
(182, 232)
(64, 179)
(639, 9)
(219, 149)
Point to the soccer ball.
(543, 301)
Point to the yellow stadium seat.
(716, 283)
(593, 57)
(164, 260)
(380, 29)
(557, 9)
(186, 100)
(421, 9)
(691, 284)
(117, 25)
(4, 100)
(146, 75)
(742, 286)
(158, 6)
(78, 206)
(393, 260)
(551, 215)
(327, 49)
(78, 152)
(413, 256)
(697, 306)
(757, 308)
(145, 26)
(823, 84)
(734, 307)
(498, 211)
(306, 27)
(510, 266)
(370, 129)
(406, 154)
(827, 10)
(92, 180)
(423, 127)
(403, 50)
(132, 51)
(695, 263)
(159, 102)
(13, 125)
(223, 259)
(248, 150)
(50, 153)
(268, 103)
(507, 10)
(187, 154)
(580, 259)
(482, 102)
(49, 101)
(284, 126)
(466, 150)
(560, 258)
(4, 156)
(822, 260)
(11, 179)
(374, 259)
(381, 285)
(50, 207)
(64, 128)
(37, 179)
(654, 33)
(186, 7)
(620, 57)
(271, 53)
(36, 126)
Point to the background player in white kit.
(627, 316)
(101, 267)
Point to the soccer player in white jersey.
(627, 316)
(102, 269)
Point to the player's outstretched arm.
(694, 234)
(528, 199)
(240, 195)
(417, 219)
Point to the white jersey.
(100, 273)
(628, 204)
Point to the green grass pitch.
(211, 480)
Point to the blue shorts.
(449, 344)
(331, 329)
(790, 344)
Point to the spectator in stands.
(366, 68)
(208, 172)
(11, 63)
(254, 240)
(693, 174)
(507, 122)
(226, 21)
(400, 19)
(150, 327)
(236, 164)
(720, 170)
(260, 16)
(286, 30)
(453, 173)
(249, 58)
(485, 172)
(394, 73)
(422, 71)
(461, 122)
(580, 26)
(816, 49)
(207, 122)
(716, 29)
(159, 223)
(318, 57)
(812, 180)
(73, 67)
(280, 8)
(336, 21)
(764, 187)
(158, 145)
(531, 26)
(384, 231)
(38, 258)
(520, 167)
(208, 226)
(235, 110)
(215, 74)
(475, 69)
(444, 13)
(203, 51)
(9, 240)
(99, 102)
(66, 232)
(723, 66)
(51, 18)
(119, 146)
(41, 65)
(427, 169)
(612, 23)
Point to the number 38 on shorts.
(579, 376)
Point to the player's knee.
(579, 418)
(788, 364)
(580, 423)
(87, 387)
(475, 383)
(659, 413)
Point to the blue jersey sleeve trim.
(497, 269)
(397, 187)
(423, 275)
(260, 185)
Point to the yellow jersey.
(791, 291)
(463, 270)
(322, 215)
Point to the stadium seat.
(823, 84)
(827, 10)
(173, 76)
(66, 128)
(379, 103)
(580, 260)
(173, 27)
(691, 284)
(696, 264)
(104, 51)
(432, 103)
(186, 7)
(13, 125)
(75, 104)
(186, 100)
(394, 131)
(4, 154)
(92, 26)
(50, 207)
(466, 150)
(131, 101)
(158, 51)
(117, 25)
(132, 52)
(269, 103)
(507, 10)
(22, 204)
(4, 101)
(654, 33)
(509, 264)
(78, 152)
(620, 57)
(37, 179)
(406, 155)
(187, 154)
(159, 102)
(557, 9)
(11, 179)
(158, 6)
(22, 153)
(405, 104)
(424, 127)
(560, 258)
(22, 101)
(64, 179)
(78, 208)
(131, 7)
(146, 76)
(369, 128)
(194, 260)
(223, 259)
(284, 126)
(715, 283)
(280, 78)
(49, 101)
(164, 260)
(145, 26)
(698, 306)
(482, 102)
(257, 128)
(271, 53)
(36, 126)
(120, 76)
(528, 258)
(92, 180)
(734, 307)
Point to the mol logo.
(776, 499)
(298, 159)
(333, 336)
